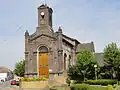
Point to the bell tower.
(44, 16)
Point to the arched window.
(43, 49)
(69, 60)
(65, 61)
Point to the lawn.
(83, 87)
(90, 87)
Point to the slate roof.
(81, 46)
(99, 58)
(85, 46)
(4, 70)
(70, 38)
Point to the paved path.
(7, 86)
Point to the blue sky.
(85, 20)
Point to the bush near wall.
(88, 87)
(101, 82)
(33, 79)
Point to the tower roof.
(43, 6)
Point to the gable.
(36, 37)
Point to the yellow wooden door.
(43, 64)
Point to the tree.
(20, 68)
(85, 62)
(74, 73)
(84, 67)
(112, 60)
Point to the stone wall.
(68, 51)
(34, 85)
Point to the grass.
(90, 87)
(84, 87)
(64, 87)
(95, 87)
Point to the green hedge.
(101, 82)
(33, 79)
(80, 87)
(88, 87)
(17, 83)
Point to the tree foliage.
(112, 60)
(84, 58)
(20, 68)
(111, 54)
(84, 67)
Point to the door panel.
(43, 59)
(43, 64)
(43, 71)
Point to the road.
(7, 86)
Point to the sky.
(85, 20)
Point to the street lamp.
(95, 66)
(84, 74)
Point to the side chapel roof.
(85, 46)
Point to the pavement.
(6, 86)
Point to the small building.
(5, 74)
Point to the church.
(48, 52)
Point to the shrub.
(115, 85)
(110, 87)
(72, 81)
(80, 87)
(101, 82)
(17, 83)
(33, 79)
(68, 81)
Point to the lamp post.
(83, 74)
(95, 66)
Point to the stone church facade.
(47, 51)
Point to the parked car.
(14, 82)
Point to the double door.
(43, 65)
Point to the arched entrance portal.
(43, 61)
